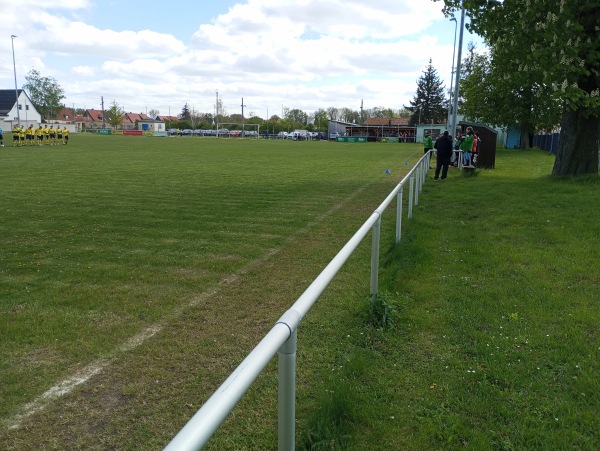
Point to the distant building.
(375, 129)
(151, 125)
(9, 106)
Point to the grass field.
(151, 267)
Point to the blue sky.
(305, 54)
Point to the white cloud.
(85, 71)
(305, 53)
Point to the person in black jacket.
(443, 146)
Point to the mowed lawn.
(112, 244)
(150, 268)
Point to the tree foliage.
(321, 119)
(45, 93)
(429, 103)
(549, 48)
(115, 114)
(295, 116)
(186, 114)
(491, 98)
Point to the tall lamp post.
(457, 81)
(452, 75)
(12, 40)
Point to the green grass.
(109, 236)
(490, 337)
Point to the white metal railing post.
(417, 181)
(286, 423)
(376, 231)
(410, 195)
(399, 214)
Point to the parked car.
(282, 135)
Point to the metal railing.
(282, 338)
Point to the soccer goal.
(249, 130)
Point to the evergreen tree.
(115, 114)
(186, 114)
(429, 103)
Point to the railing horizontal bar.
(201, 427)
(398, 187)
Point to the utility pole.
(217, 113)
(362, 120)
(102, 100)
(243, 122)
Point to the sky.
(273, 54)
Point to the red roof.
(94, 115)
(66, 114)
(134, 117)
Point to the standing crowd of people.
(41, 136)
(448, 152)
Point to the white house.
(27, 114)
(151, 125)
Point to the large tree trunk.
(578, 146)
(525, 138)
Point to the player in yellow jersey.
(46, 132)
(15, 134)
(39, 134)
(65, 135)
(52, 135)
(22, 136)
(30, 135)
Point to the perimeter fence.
(282, 338)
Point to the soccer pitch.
(111, 241)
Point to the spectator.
(443, 145)
(456, 154)
(427, 143)
(476, 147)
(467, 146)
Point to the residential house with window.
(12, 110)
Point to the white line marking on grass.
(69, 384)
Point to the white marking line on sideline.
(68, 385)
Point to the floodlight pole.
(12, 40)
(452, 74)
(457, 81)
